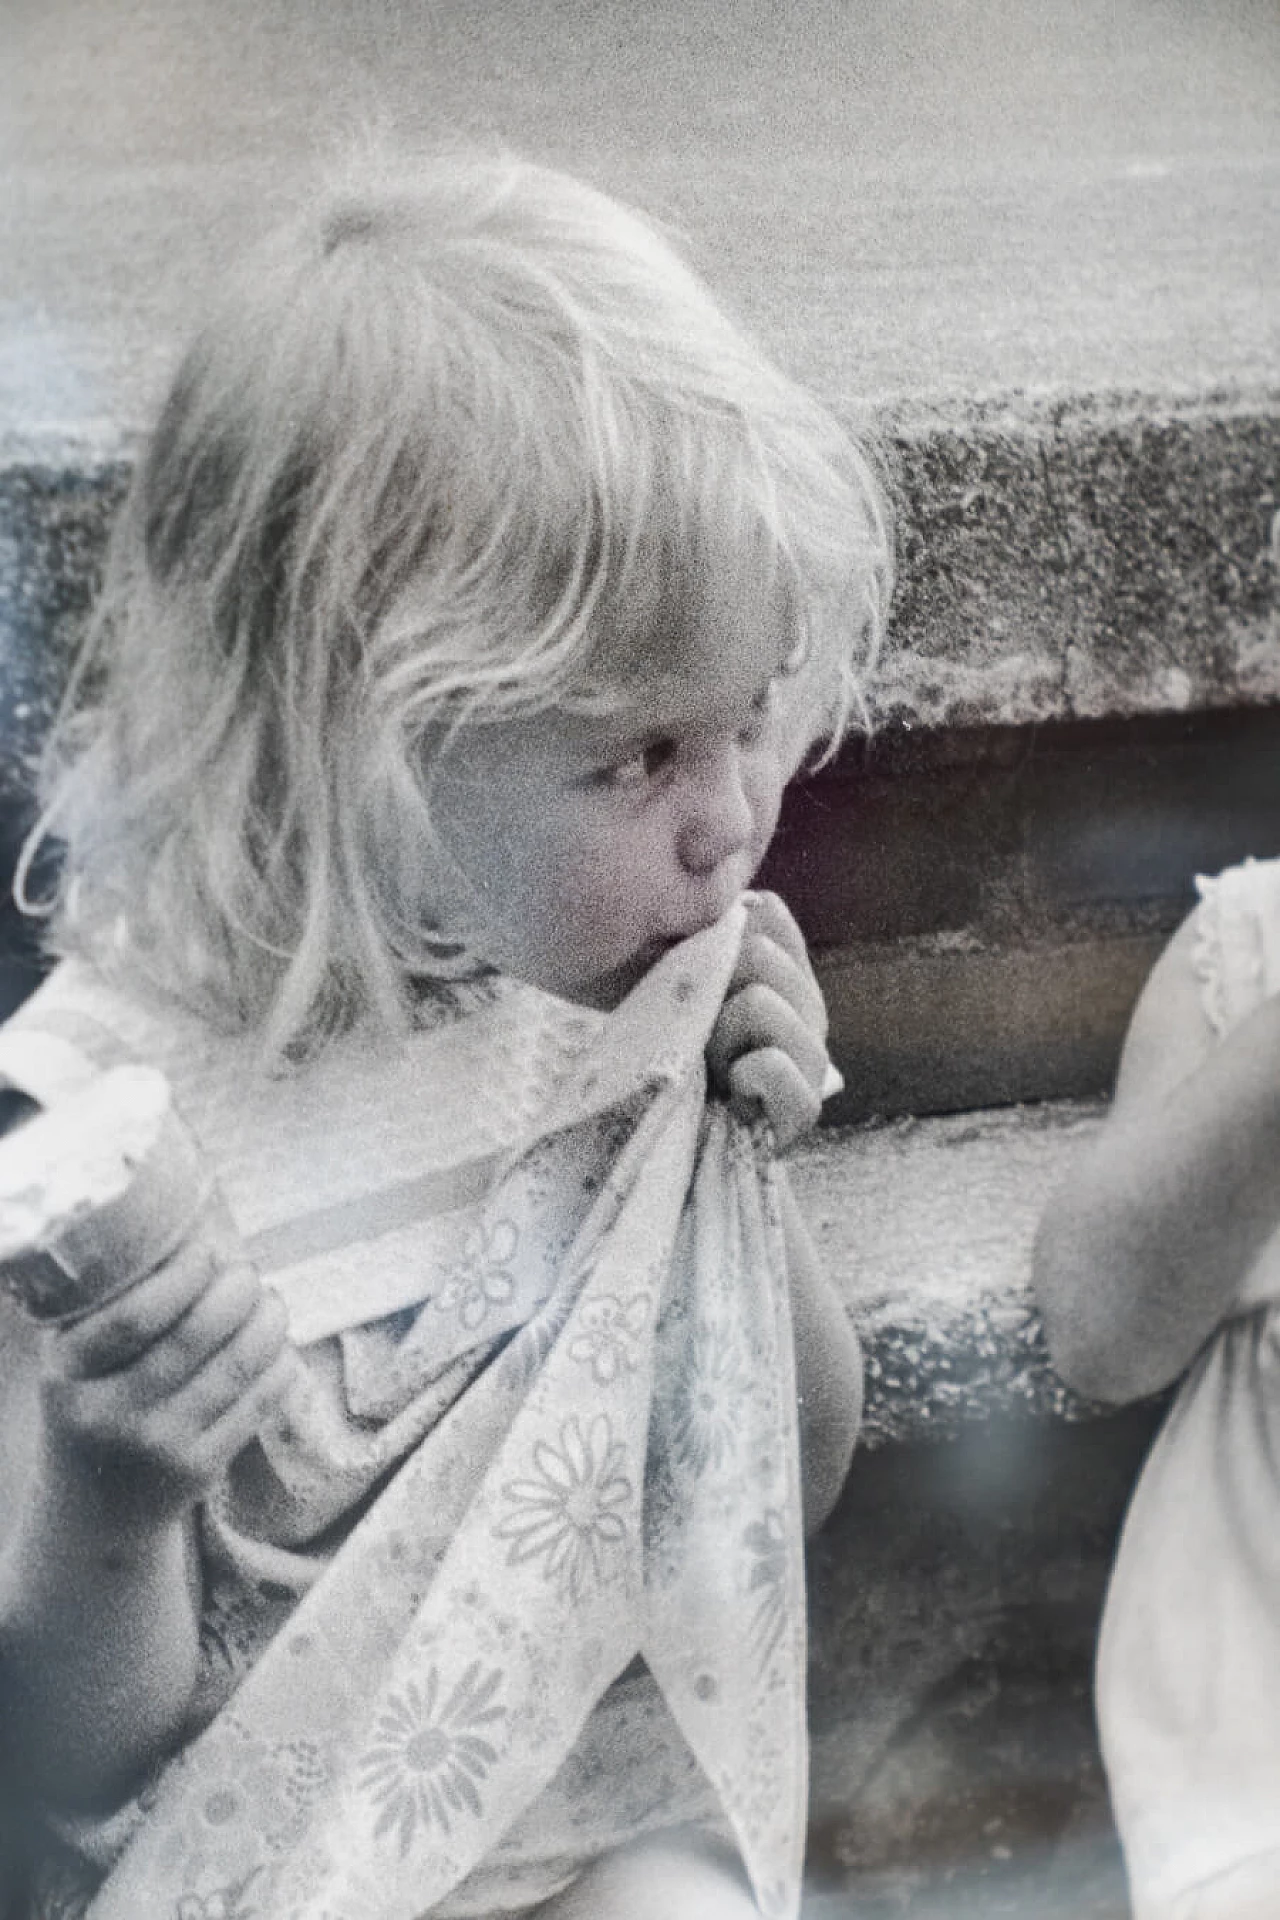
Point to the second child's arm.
(1142, 1253)
(121, 1422)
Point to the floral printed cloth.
(518, 1575)
(1189, 1663)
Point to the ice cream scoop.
(96, 1192)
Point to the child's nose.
(719, 819)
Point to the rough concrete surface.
(947, 1022)
(925, 1227)
(1095, 559)
(955, 1592)
(1075, 563)
(954, 1601)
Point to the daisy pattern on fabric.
(766, 1541)
(428, 1754)
(482, 1278)
(568, 1517)
(611, 1330)
(707, 1400)
(226, 1904)
(266, 1786)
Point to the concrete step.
(956, 1590)
(912, 203)
(925, 1226)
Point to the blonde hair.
(435, 440)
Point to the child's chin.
(608, 990)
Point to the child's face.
(579, 848)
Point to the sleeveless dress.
(517, 1574)
(1189, 1660)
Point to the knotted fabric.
(546, 1360)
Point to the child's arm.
(1145, 1248)
(768, 1053)
(828, 1371)
(121, 1422)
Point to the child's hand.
(768, 1049)
(165, 1385)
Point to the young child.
(478, 593)
(1163, 1254)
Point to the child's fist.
(170, 1380)
(768, 1049)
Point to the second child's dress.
(1189, 1663)
(517, 1575)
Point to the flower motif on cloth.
(609, 1342)
(568, 1517)
(227, 1903)
(271, 1786)
(706, 1424)
(766, 1543)
(431, 1753)
(483, 1278)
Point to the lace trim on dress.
(1229, 958)
(1206, 957)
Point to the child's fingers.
(756, 1019)
(234, 1374)
(116, 1334)
(762, 960)
(246, 1417)
(233, 1300)
(168, 1433)
(769, 1082)
(770, 916)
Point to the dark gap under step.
(984, 904)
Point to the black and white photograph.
(639, 960)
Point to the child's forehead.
(673, 651)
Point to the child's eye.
(758, 717)
(639, 768)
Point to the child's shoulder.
(1220, 964)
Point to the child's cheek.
(625, 881)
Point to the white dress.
(519, 1576)
(1189, 1663)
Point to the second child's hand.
(768, 1049)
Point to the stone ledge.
(1109, 556)
(925, 1227)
